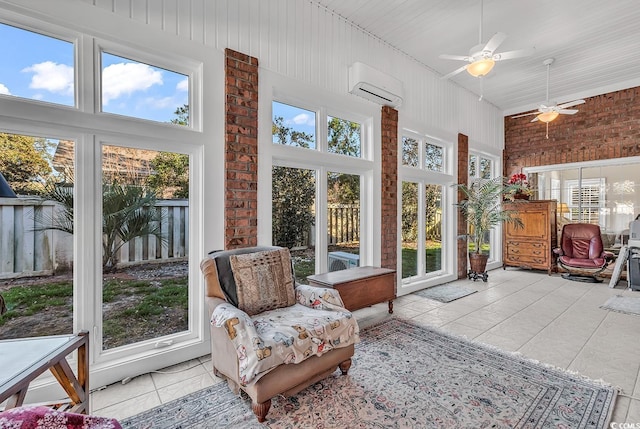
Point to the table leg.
(17, 399)
(390, 306)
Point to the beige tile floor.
(542, 317)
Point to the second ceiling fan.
(550, 110)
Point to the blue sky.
(296, 118)
(42, 68)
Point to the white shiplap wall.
(303, 41)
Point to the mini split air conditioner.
(374, 85)
(343, 261)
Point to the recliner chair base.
(580, 278)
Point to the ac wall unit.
(343, 261)
(374, 85)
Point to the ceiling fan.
(482, 57)
(550, 110)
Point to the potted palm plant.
(481, 206)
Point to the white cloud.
(126, 78)
(183, 85)
(304, 119)
(50, 76)
(158, 103)
(4, 90)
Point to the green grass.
(410, 260)
(303, 269)
(153, 300)
(23, 301)
(135, 306)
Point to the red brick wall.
(241, 149)
(389, 221)
(606, 126)
(463, 177)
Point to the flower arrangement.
(521, 189)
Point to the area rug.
(407, 376)
(623, 304)
(446, 292)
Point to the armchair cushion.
(263, 280)
(225, 274)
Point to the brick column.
(389, 197)
(463, 177)
(241, 150)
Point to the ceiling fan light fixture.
(548, 116)
(480, 67)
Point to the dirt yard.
(58, 319)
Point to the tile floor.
(543, 317)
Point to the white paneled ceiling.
(595, 43)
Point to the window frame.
(57, 32)
(423, 177)
(495, 234)
(275, 88)
(85, 126)
(184, 66)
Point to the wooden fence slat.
(24, 251)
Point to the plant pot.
(520, 196)
(478, 266)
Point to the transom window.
(416, 149)
(36, 66)
(136, 89)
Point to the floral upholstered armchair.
(269, 335)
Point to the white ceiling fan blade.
(495, 41)
(570, 104)
(514, 54)
(568, 111)
(525, 114)
(534, 119)
(455, 72)
(454, 57)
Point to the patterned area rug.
(446, 292)
(623, 304)
(406, 376)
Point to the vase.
(521, 196)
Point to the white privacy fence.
(26, 250)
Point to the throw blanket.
(38, 417)
(316, 324)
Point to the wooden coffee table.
(361, 286)
(24, 359)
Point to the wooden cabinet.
(360, 287)
(531, 246)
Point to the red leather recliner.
(582, 253)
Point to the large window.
(605, 193)
(324, 234)
(101, 235)
(37, 235)
(481, 167)
(423, 231)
